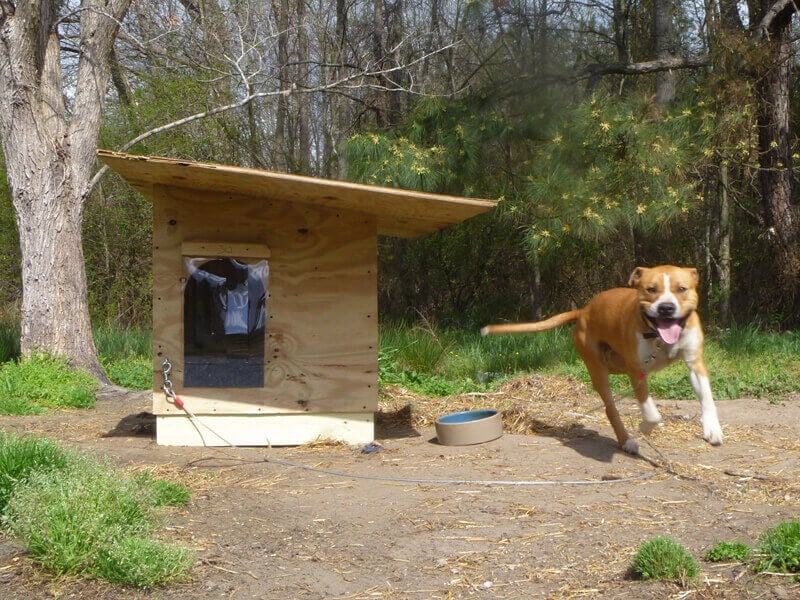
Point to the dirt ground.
(266, 529)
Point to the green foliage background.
(592, 180)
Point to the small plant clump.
(729, 552)
(779, 547)
(666, 560)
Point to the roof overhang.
(401, 213)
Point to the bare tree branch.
(597, 70)
(649, 66)
(250, 97)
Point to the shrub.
(664, 559)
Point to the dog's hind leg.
(599, 375)
(592, 355)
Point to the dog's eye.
(682, 290)
(652, 289)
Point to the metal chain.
(166, 369)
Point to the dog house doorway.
(224, 317)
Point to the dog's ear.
(695, 275)
(633, 280)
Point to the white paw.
(631, 446)
(647, 427)
(712, 432)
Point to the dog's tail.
(551, 323)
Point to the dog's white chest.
(654, 354)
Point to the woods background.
(615, 134)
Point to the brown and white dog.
(636, 331)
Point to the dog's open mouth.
(669, 330)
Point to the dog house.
(265, 297)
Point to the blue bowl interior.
(467, 416)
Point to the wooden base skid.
(264, 430)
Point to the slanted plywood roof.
(400, 213)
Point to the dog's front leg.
(698, 374)
(651, 418)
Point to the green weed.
(780, 549)
(142, 562)
(729, 552)
(664, 559)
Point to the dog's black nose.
(666, 310)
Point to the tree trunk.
(282, 158)
(774, 138)
(380, 103)
(622, 31)
(49, 159)
(662, 41)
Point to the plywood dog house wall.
(265, 297)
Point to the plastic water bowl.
(469, 427)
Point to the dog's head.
(667, 296)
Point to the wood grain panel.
(321, 346)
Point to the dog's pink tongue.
(669, 332)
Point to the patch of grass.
(164, 492)
(666, 560)
(134, 372)
(39, 382)
(143, 562)
(743, 361)
(451, 361)
(125, 354)
(114, 343)
(779, 548)
(414, 348)
(9, 340)
(729, 552)
(748, 361)
(88, 520)
(22, 455)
